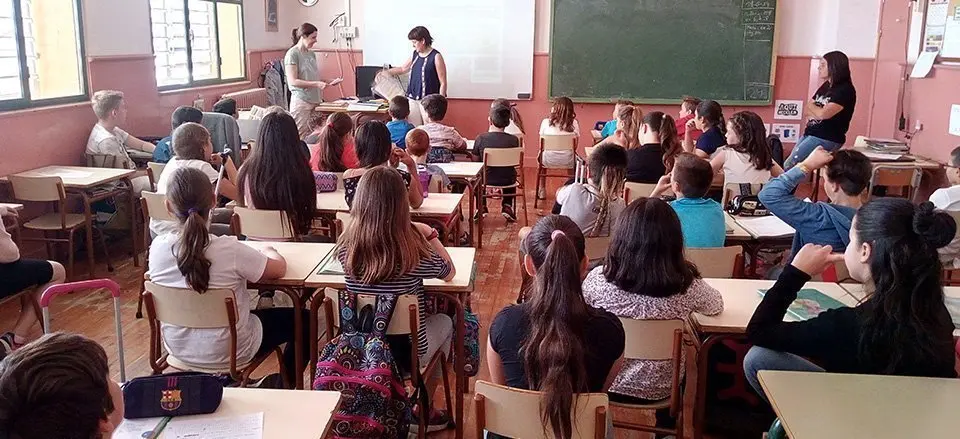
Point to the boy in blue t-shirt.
(398, 126)
(701, 218)
(164, 150)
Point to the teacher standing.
(303, 77)
(428, 71)
(830, 110)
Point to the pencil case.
(175, 394)
(326, 181)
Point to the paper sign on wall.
(766, 128)
(788, 132)
(789, 110)
(955, 120)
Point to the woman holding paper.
(428, 70)
(829, 111)
(303, 77)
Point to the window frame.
(25, 101)
(191, 83)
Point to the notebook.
(766, 227)
(809, 303)
(331, 265)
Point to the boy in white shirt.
(107, 138)
(948, 199)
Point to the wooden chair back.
(498, 409)
(595, 247)
(343, 221)
(558, 142)
(896, 177)
(720, 262)
(656, 340)
(156, 206)
(155, 170)
(632, 191)
(187, 308)
(503, 157)
(38, 189)
(398, 324)
(262, 224)
(436, 185)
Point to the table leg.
(88, 214)
(459, 329)
(700, 399)
(134, 230)
(475, 201)
(297, 329)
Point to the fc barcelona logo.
(170, 400)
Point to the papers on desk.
(809, 303)
(139, 428)
(248, 426)
(766, 227)
(331, 265)
(881, 157)
(363, 106)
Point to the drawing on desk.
(953, 307)
(331, 265)
(809, 303)
(248, 426)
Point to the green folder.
(810, 303)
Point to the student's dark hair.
(399, 107)
(905, 321)
(608, 167)
(690, 103)
(226, 106)
(851, 170)
(190, 194)
(185, 114)
(712, 114)
(693, 174)
(955, 157)
(554, 351)
(435, 105)
(55, 387)
(420, 33)
(838, 66)
(646, 254)
(277, 175)
(514, 112)
(562, 114)
(753, 139)
(188, 141)
(663, 124)
(304, 30)
(373, 144)
(328, 155)
(500, 116)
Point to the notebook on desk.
(766, 227)
(331, 265)
(809, 303)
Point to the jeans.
(759, 358)
(278, 328)
(805, 146)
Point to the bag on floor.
(361, 367)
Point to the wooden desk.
(827, 405)
(468, 173)
(359, 116)
(80, 177)
(435, 205)
(287, 414)
(735, 232)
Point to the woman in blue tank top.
(428, 70)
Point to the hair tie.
(191, 211)
(330, 125)
(556, 233)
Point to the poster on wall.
(951, 31)
(937, 12)
(788, 110)
(955, 119)
(788, 132)
(271, 16)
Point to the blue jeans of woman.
(805, 146)
(759, 358)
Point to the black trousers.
(278, 328)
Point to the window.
(41, 53)
(197, 42)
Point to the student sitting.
(444, 139)
(191, 143)
(59, 387)
(226, 106)
(688, 109)
(562, 120)
(164, 150)
(20, 274)
(555, 342)
(335, 150)
(275, 176)
(645, 276)
(610, 128)
(701, 218)
(398, 125)
(847, 176)
(384, 252)
(746, 158)
(418, 148)
(949, 199)
(375, 149)
(496, 137)
(595, 206)
(516, 121)
(709, 119)
(658, 150)
(193, 258)
(901, 328)
(108, 139)
(627, 134)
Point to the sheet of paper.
(766, 227)
(882, 157)
(136, 428)
(955, 119)
(249, 426)
(924, 64)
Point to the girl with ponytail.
(659, 148)
(555, 343)
(709, 119)
(628, 127)
(596, 205)
(192, 258)
(335, 150)
(747, 157)
(900, 327)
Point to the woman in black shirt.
(660, 145)
(554, 342)
(829, 111)
(901, 328)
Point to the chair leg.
(446, 383)
(106, 253)
(283, 369)
(70, 256)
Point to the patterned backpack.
(361, 367)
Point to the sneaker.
(439, 420)
(481, 212)
(509, 214)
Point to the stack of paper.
(766, 227)
(881, 157)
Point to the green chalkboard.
(656, 51)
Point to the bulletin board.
(942, 28)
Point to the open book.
(809, 303)
(331, 265)
(766, 227)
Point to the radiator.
(248, 98)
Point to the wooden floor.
(497, 282)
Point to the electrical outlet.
(347, 32)
(918, 126)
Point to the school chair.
(152, 206)
(731, 190)
(49, 190)
(516, 413)
(154, 170)
(261, 225)
(557, 142)
(505, 157)
(400, 324)
(595, 247)
(632, 191)
(904, 180)
(719, 262)
(658, 340)
(213, 309)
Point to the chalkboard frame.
(774, 56)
